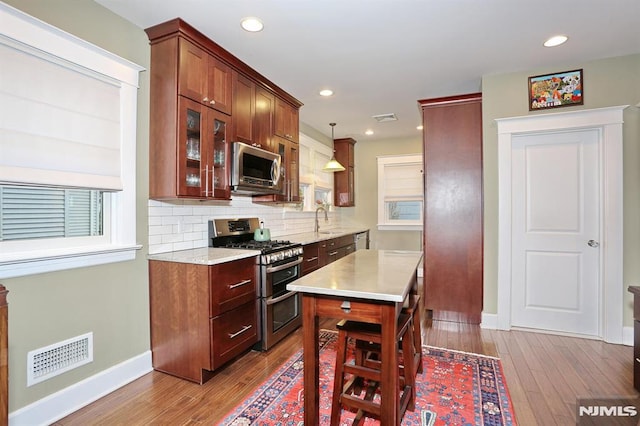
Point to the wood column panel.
(453, 226)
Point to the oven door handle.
(273, 300)
(281, 267)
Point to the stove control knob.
(288, 253)
(281, 255)
(300, 250)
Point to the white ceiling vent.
(383, 118)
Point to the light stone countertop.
(324, 234)
(204, 256)
(213, 256)
(365, 274)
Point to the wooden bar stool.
(365, 371)
(413, 308)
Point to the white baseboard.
(66, 401)
(489, 321)
(627, 336)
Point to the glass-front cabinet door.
(218, 174)
(203, 170)
(190, 147)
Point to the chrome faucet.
(326, 218)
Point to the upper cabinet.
(263, 120)
(244, 107)
(344, 182)
(202, 99)
(287, 121)
(204, 78)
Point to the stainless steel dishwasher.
(362, 240)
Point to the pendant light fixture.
(333, 165)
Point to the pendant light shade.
(333, 165)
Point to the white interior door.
(556, 231)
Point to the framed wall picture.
(556, 90)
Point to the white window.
(67, 143)
(400, 192)
(316, 185)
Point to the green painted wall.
(607, 82)
(110, 300)
(365, 211)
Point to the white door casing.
(608, 123)
(555, 207)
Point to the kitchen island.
(369, 286)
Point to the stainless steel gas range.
(278, 264)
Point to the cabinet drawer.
(349, 249)
(233, 332)
(311, 258)
(345, 240)
(348, 309)
(232, 284)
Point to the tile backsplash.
(183, 224)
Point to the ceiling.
(382, 56)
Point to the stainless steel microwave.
(255, 170)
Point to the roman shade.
(59, 122)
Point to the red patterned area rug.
(455, 388)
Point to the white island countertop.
(364, 274)
(204, 256)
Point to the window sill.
(58, 260)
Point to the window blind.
(400, 192)
(36, 212)
(59, 122)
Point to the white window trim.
(315, 146)
(383, 225)
(122, 246)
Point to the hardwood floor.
(545, 374)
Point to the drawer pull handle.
(346, 306)
(333, 253)
(637, 359)
(241, 283)
(311, 259)
(237, 333)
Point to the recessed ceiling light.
(555, 41)
(251, 24)
(368, 132)
(420, 127)
(326, 92)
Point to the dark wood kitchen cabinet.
(319, 254)
(189, 127)
(336, 248)
(203, 78)
(187, 66)
(310, 258)
(453, 234)
(344, 182)
(263, 119)
(253, 114)
(202, 316)
(287, 121)
(244, 107)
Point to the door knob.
(593, 243)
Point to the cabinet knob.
(206, 99)
(212, 102)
